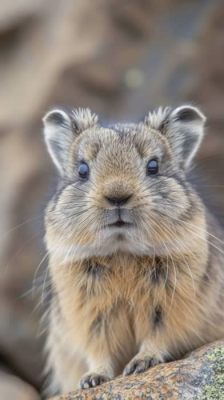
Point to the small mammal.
(134, 255)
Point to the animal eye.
(83, 170)
(152, 167)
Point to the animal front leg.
(147, 357)
(100, 371)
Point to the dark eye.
(152, 167)
(83, 170)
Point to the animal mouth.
(120, 223)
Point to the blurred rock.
(23, 183)
(14, 14)
(33, 55)
(208, 92)
(13, 388)
(200, 376)
(133, 17)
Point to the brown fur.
(127, 300)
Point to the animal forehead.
(119, 137)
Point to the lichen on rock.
(214, 390)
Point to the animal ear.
(184, 129)
(58, 136)
(61, 128)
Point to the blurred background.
(120, 58)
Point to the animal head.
(122, 188)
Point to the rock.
(14, 15)
(208, 91)
(13, 388)
(21, 249)
(41, 47)
(199, 376)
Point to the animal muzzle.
(117, 194)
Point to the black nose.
(118, 201)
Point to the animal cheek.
(95, 197)
(145, 200)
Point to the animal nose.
(118, 201)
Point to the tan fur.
(131, 298)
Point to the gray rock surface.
(199, 376)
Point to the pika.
(135, 257)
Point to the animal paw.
(91, 380)
(140, 364)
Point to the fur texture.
(133, 284)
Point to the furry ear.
(58, 136)
(184, 129)
(61, 128)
